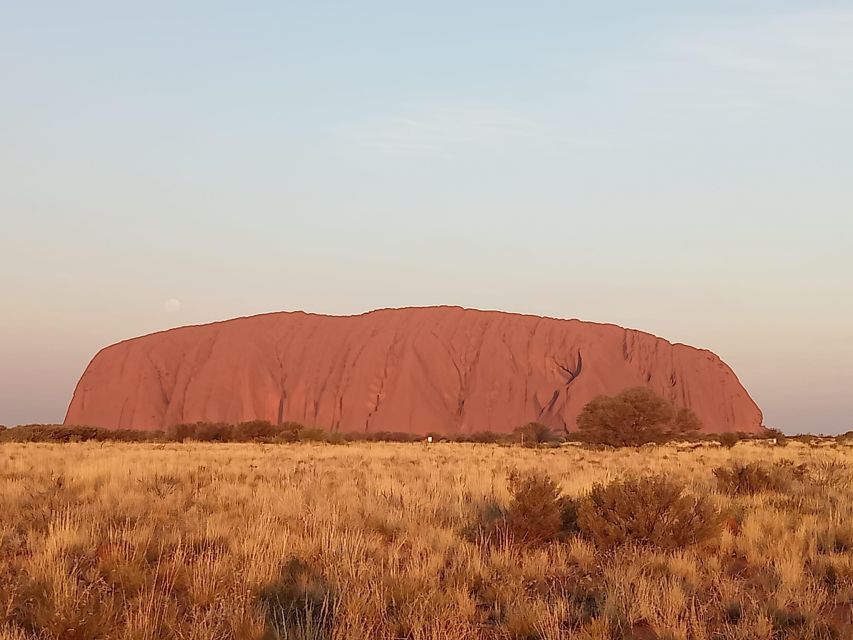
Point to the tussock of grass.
(299, 603)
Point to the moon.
(172, 305)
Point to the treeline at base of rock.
(634, 417)
(532, 435)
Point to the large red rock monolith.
(418, 370)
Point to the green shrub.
(647, 510)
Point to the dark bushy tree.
(533, 433)
(635, 417)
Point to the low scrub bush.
(263, 431)
(538, 512)
(484, 437)
(312, 434)
(730, 439)
(382, 436)
(252, 431)
(754, 477)
(647, 510)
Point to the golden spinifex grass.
(367, 541)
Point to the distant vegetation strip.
(533, 435)
(634, 417)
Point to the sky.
(681, 168)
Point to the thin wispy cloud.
(789, 48)
(739, 71)
(445, 130)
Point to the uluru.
(417, 370)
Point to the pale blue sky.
(681, 168)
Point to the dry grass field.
(367, 541)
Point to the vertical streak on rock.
(281, 410)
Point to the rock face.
(436, 369)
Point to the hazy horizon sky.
(681, 168)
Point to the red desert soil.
(442, 369)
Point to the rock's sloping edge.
(418, 370)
